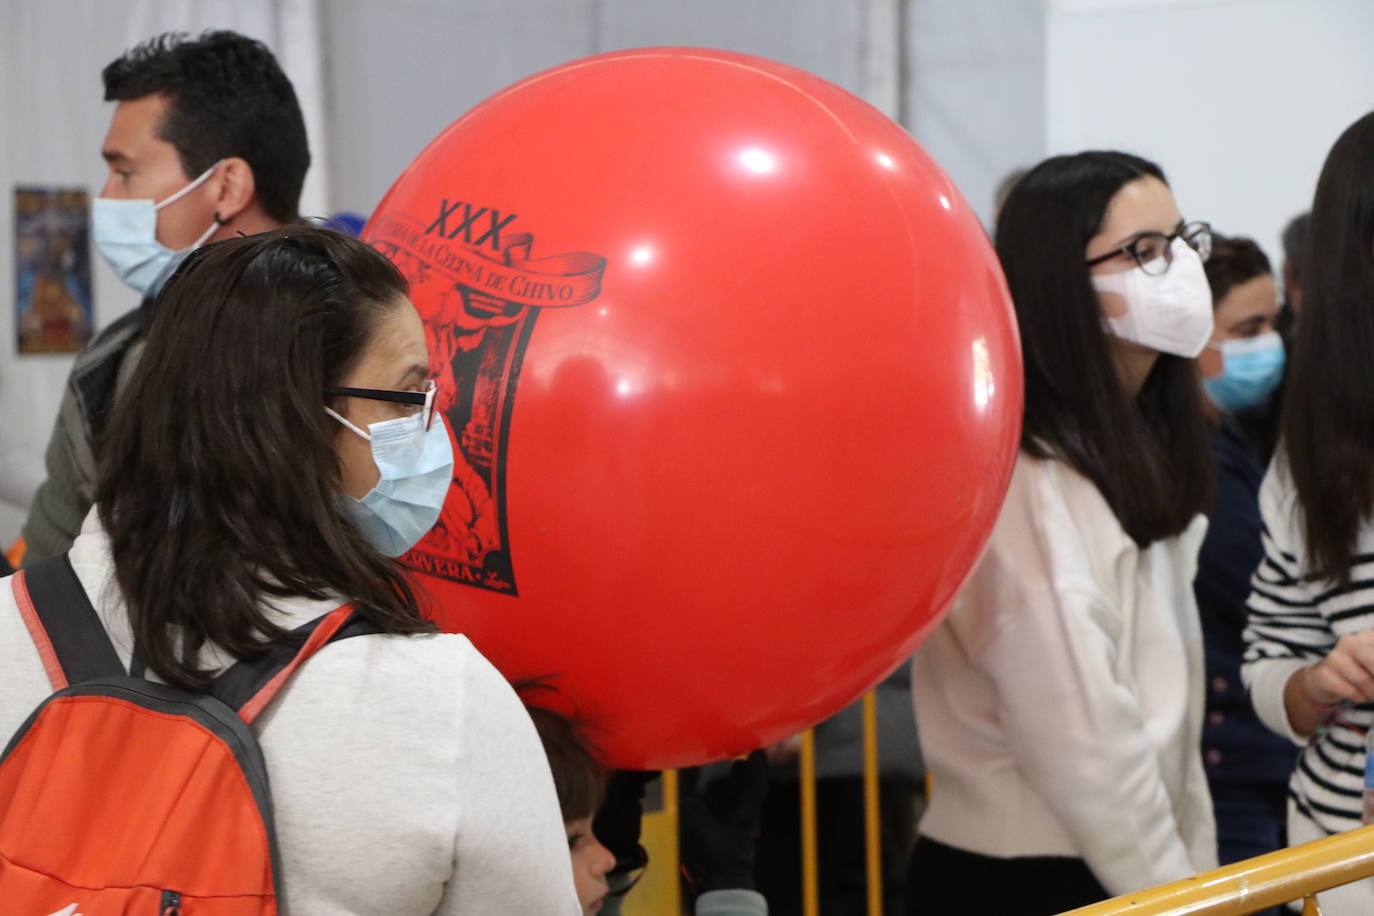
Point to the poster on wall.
(52, 269)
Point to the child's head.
(581, 784)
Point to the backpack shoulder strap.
(64, 625)
(248, 687)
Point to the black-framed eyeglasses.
(421, 399)
(1153, 251)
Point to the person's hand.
(617, 824)
(1346, 673)
(720, 830)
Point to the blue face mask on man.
(1251, 370)
(416, 465)
(125, 231)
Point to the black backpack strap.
(248, 686)
(69, 634)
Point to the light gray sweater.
(406, 776)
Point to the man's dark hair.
(220, 484)
(1234, 260)
(1295, 245)
(227, 96)
(1149, 456)
(1328, 415)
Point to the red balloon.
(733, 383)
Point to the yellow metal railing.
(872, 831)
(873, 866)
(1296, 873)
(811, 905)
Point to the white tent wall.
(53, 117)
(1238, 100)
(399, 73)
(975, 89)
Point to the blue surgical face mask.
(417, 469)
(1252, 367)
(125, 231)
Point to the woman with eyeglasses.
(1061, 699)
(274, 451)
(1309, 661)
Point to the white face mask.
(1171, 313)
(125, 231)
(416, 468)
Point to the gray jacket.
(73, 456)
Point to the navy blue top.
(1236, 747)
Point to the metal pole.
(811, 905)
(1254, 884)
(872, 822)
(670, 816)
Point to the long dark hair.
(219, 484)
(1148, 456)
(1328, 415)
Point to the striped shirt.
(1294, 623)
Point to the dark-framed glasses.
(1153, 251)
(423, 400)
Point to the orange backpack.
(124, 796)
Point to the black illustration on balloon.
(479, 292)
